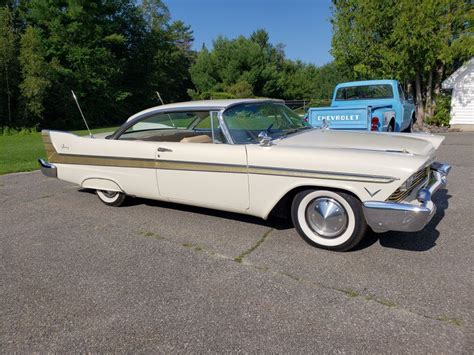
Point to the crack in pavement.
(240, 258)
(347, 292)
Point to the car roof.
(202, 105)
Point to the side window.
(401, 93)
(185, 127)
(164, 121)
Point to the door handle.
(163, 149)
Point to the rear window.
(365, 92)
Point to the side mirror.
(264, 139)
(410, 99)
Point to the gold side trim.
(101, 161)
(218, 168)
(49, 146)
(206, 167)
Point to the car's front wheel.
(111, 198)
(329, 219)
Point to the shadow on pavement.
(272, 222)
(416, 241)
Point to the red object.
(374, 124)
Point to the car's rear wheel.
(329, 219)
(111, 198)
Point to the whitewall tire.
(111, 198)
(329, 219)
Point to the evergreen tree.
(8, 66)
(35, 75)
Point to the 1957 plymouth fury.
(257, 157)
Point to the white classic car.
(257, 157)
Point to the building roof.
(458, 74)
(201, 105)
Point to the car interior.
(184, 127)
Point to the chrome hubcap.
(110, 194)
(326, 217)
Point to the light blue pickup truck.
(375, 105)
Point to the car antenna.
(169, 116)
(79, 107)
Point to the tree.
(253, 66)
(8, 62)
(417, 42)
(35, 74)
(250, 66)
(114, 54)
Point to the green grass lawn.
(21, 152)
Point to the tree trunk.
(419, 101)
(409, 88)
(428, 95)
(8, 96)
(437, 85)
(439, 78)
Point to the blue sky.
(302, 25)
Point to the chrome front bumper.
(48, 169)
(383, 216)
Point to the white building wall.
(462, 102)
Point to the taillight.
(374, 124)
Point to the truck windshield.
(365, 92)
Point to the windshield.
(364, 92)
(246, 121)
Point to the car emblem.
(372, 194)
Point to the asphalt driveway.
(76, 275)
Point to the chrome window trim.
(224, 128)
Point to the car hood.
(419, 144)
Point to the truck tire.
(409, 129)
(328, 219)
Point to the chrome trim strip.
(224, 128)
(442, 168)
(262, 170)
(383, 216)
(48, 169)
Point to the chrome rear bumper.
(48, 169)
(383, 216)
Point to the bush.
(319, 103)
(241, 89)
(9, 131)
(212, 95)
(441, 116)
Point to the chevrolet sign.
(337, 117)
